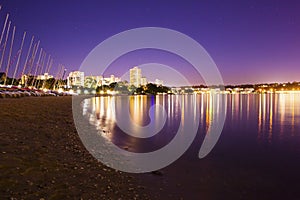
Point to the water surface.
(257, 155)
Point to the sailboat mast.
(43, 62)
(40, 71)
(18, 61)
(50, 65)
(6, 37)
(35, 50)
(9, 56)
(37, 66)
(57, 75)
(30, 64)
(4, 26)
(62, 74)
(46, 71)
(27, 56)
(48, 62)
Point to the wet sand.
(43, 157)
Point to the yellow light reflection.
(209, 111)
(241, 99)
(248, 106)
(292, 101)
(260, 116)
(136, 109)
(182, 110)
(282, 103)
(270, 118)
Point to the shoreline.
(43, 157)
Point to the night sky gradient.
(250, 41)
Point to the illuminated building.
(75, 78)
(144, 81)
(45, 76)
(135, 76)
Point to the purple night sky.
(250, 41)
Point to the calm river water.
(257, 155)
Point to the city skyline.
(252, 42)
(131, 99)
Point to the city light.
(60, 90)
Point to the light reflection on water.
(277, 114)
(267, 117)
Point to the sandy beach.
(42, 156)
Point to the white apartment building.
(135, 76)
(75, 78)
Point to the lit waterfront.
(258, 148)
(269, 113)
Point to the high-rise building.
(135, 76)
(76, 78)
(144, 81)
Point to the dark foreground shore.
(42, 156)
